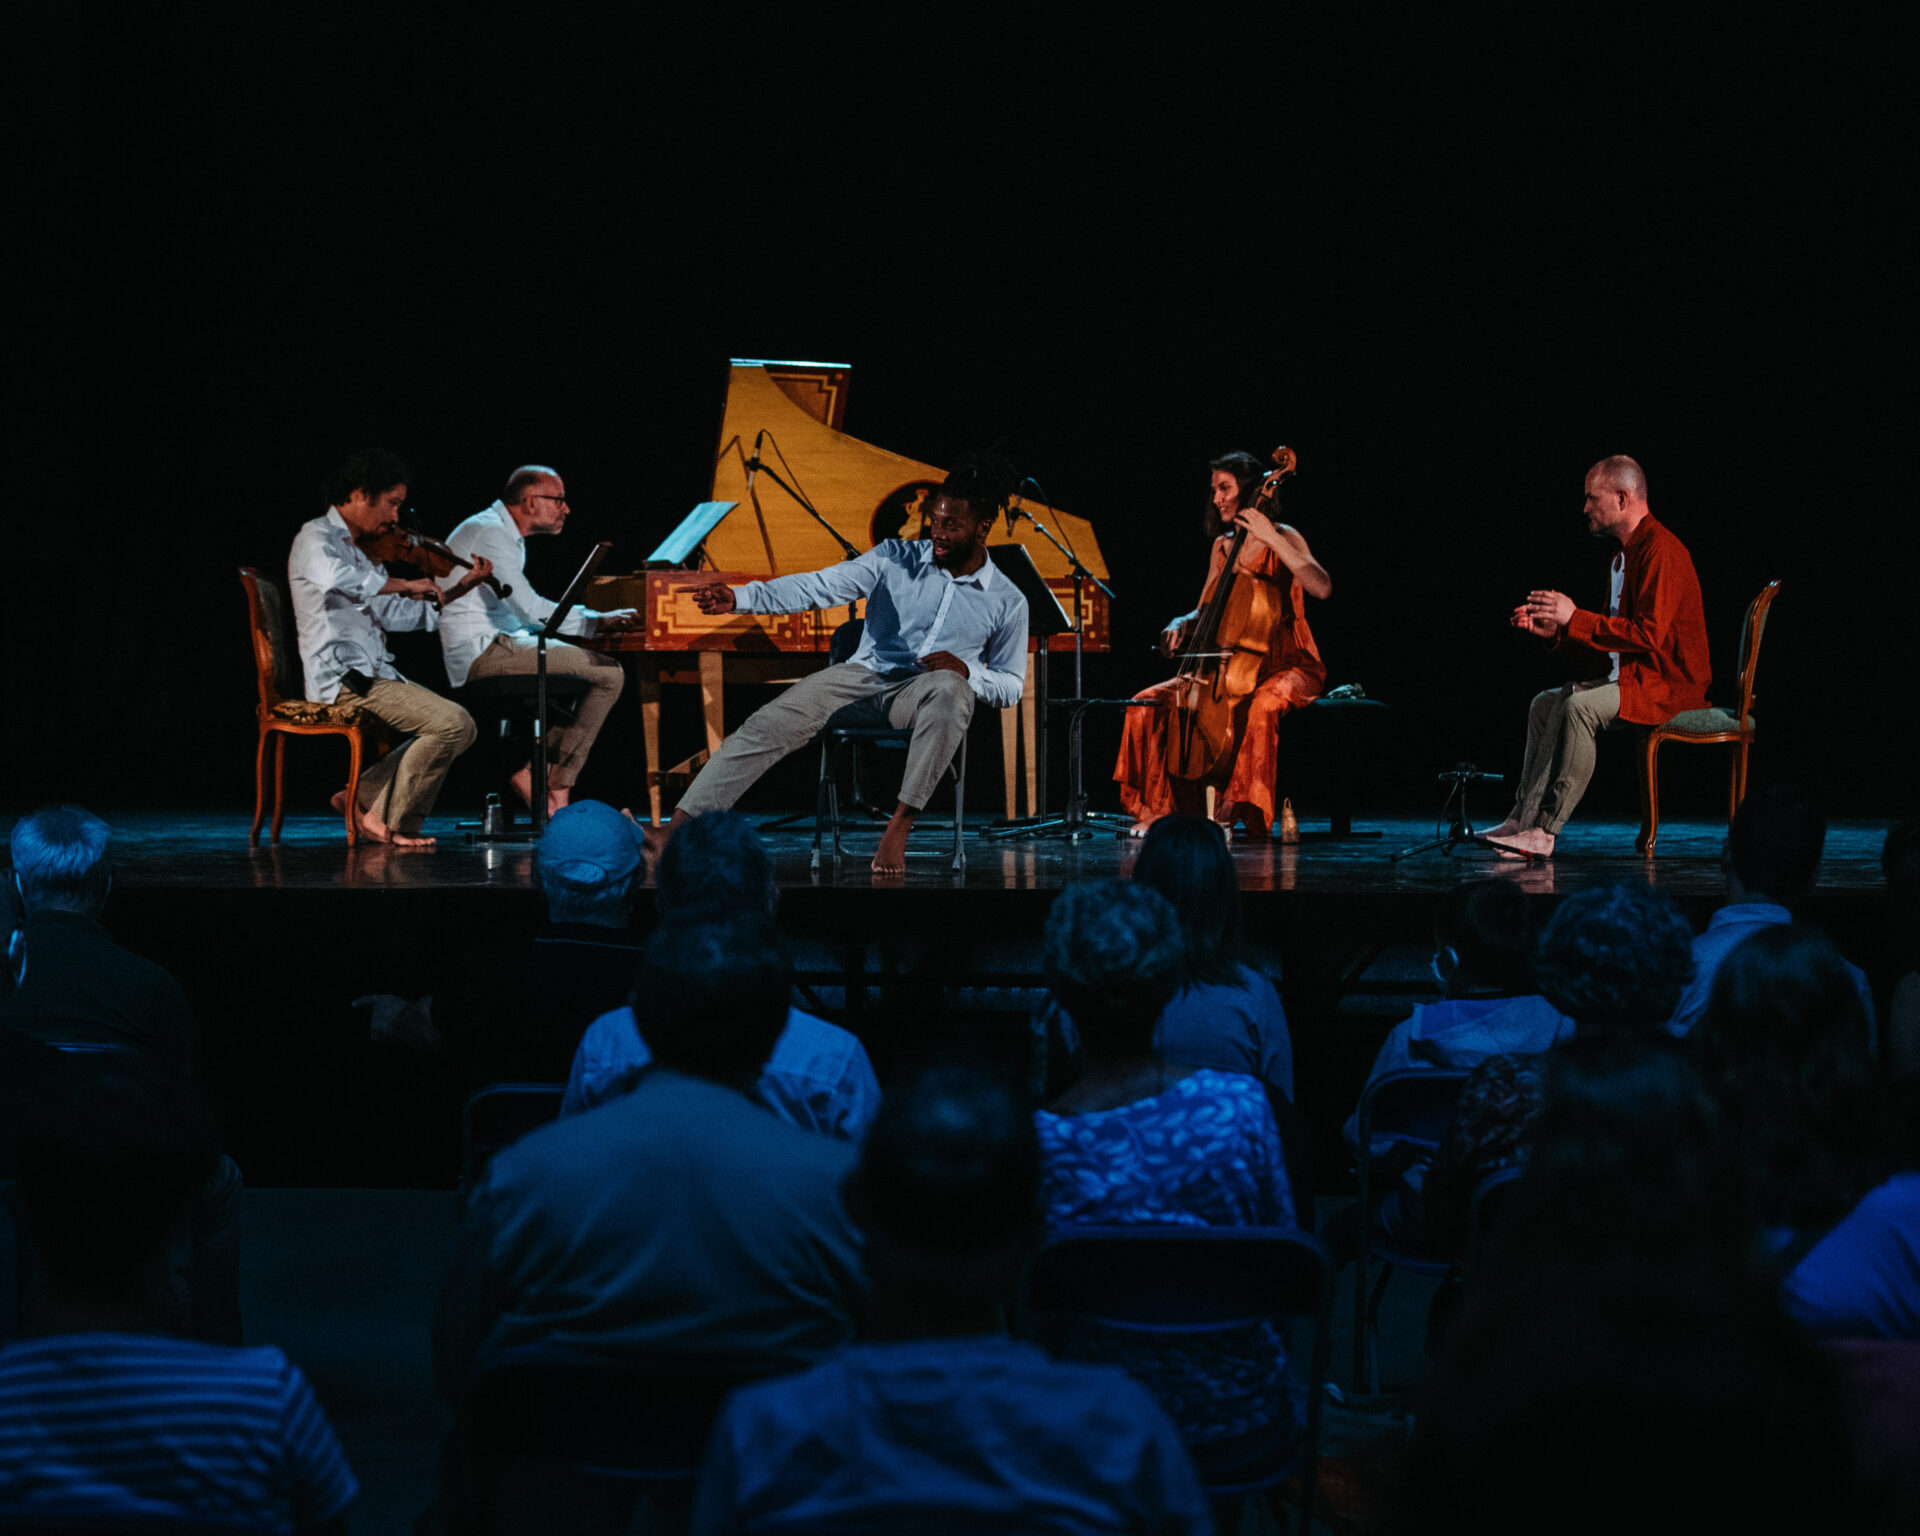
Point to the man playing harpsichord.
(943, 628)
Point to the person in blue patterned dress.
(1141, 1139)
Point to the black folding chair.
(1166, 1283)
(858, 725)
(1411, 1109)
(498, 1116)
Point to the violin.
(1220, 664)
(407, 546)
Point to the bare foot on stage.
(654, 839)
(1506, 828)
(557, 795)
(890, 858)
(374, 830)
(1532, 842)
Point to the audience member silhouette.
(1227, 1015)
(79, 990)
(681, 1218)
(937, 1421)
(1900, 862)
(1141, 1139)
(1623, 1362)
(76, 985)
(519, 1016)
(818, 1077)
(24, 1061)
(1613, 959)
(105, 1420)
(1630, 1169)
(1483, 960)
(1783, 1050)
(1771, 857)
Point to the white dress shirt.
(338, 611)
(469, 626)
(915, 608)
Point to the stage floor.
(156, 849)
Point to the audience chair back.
(1163, 1282)
(283, 712)
(846, 730)
(563, 1440)
(498, 1116)
(1410, 1108)
(1708, 727)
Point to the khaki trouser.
(568, 746)
(935, 706)
(401, 786)
(1561, 726)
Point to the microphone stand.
(1461, 831)
(1076, 821)
(808, 507)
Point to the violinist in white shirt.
(492, 634)
(344, 605)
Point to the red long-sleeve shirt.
(1660, 630)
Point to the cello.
(1220, 664)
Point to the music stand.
(1046, 618)
(683, 544)
(569, 600)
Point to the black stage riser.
(272, 947)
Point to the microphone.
(1014, 510)
(753, 463)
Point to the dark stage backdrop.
(1451, 272)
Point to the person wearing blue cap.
(819, 1076)
(521, 1020)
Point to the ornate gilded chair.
(284, 713)
(1708, 727)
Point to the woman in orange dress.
(1292, 674)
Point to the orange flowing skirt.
(1147, 792)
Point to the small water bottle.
(493, 819)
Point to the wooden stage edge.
(209, 852)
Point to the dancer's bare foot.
(1531, 842)
(1506, 828)
(655, 838)
(890, 858)
(374, 830)
(557, 794)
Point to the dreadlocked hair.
(983, 481)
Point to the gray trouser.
(568, 746)
(935, 706)
(402, 785)
(1561, 726)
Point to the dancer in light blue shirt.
(943, 628)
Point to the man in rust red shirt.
(1653, 634)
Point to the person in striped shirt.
(105, 1418)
